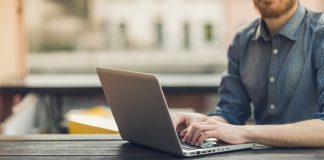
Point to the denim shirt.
(279, 78)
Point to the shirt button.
(272, 79)
(275, 51)
(272, 106)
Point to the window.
(159, 35)
(208, 33)
(186, 35)
(123, 36)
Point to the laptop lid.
(140, 109)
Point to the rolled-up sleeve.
(234, 105)
(319, 64)
(320, 86)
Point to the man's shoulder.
(317, 24)
(316, 18)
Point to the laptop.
(142, 116)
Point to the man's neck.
(275, 24)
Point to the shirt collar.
(262, 31)
(290, 29)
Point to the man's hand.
(213, 129)
(182, 122)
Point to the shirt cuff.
(320, 115)
(226, 115)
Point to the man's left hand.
(213, 129)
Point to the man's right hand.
(183, 122)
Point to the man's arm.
(234, 105)
(308, 133)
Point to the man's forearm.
(308, 133)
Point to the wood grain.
(75, 147)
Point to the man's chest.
(271, 70)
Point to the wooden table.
(112, 147)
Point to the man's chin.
(270, 15)
(272, 10)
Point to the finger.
(204, 135)
(183, 132)
(186, 136)
(179, 123)
(191, 133)
(199, 130)
(181, 127)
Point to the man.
(277, 64)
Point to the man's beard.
(274, 8)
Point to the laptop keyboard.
(187, 146)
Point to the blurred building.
(124, 24)
(168, 24)
(193, 34)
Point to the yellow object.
(98, 111)
(96, 120)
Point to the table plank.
(210, 157)
(77, 147)
(61, 137)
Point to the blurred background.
(56, 44)
(160, 36)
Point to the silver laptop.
(141, 113)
